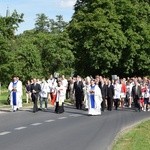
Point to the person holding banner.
(95, 99)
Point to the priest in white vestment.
(15, 89)
(95, 99)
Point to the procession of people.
(94, 95)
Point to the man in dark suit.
(78, 89)
(110, 94)
(35, 89)
(136, 94)
(103, 88)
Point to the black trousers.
(103, 104)
(78, 98)
(136, 102)
(35, 100)
(109, 103)
(116, 103)
(59, 109)
(35, 107)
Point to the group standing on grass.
(92, 94)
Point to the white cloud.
(68, 3)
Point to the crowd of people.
(91, 94)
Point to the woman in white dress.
(95, 99)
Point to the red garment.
(123, 88)
(141, 100)
(53, 98)
(143, 89)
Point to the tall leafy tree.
(28, 59)
(60, 24)
(10, 23)
(42, 23)
(135, 25)
(111, 36)
(55, 47)
(56, 54)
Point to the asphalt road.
(73, 130)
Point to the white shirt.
(44, 90)
(117, 90)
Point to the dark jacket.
(78, 87)
(136, 94)
(37, 88)
(110, 91)
(103, 90)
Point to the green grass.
(137, 138)
(4, 96)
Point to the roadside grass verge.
(5, 103)
(4, 94)
(137, 138)
(3, 97)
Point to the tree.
(60, 24)
(42, 23)
(37, 52)
(111, 37)
(56, 54)
(9, 24)
(55, 47)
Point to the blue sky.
(30, 8)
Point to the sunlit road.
(73, 130)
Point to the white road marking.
(36, 124)
(4, 133)
(20, 128)
(49, 120)
(62, 118)
(75, 115)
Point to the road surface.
(72, 130)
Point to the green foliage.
(111, 37)
(9, 24)
(38, 52)
(55, 50)
(104, 37)
(42, 23)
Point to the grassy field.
(137, 138)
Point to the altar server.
(61, 95)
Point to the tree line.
(103, 37)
